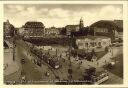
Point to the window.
(80, 44)
(86, 44)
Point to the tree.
(63, 31)
(12, 31)
(91, 71)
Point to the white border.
(125, 18)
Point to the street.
(34, 74)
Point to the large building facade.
(91, 42)
(52, 31)
(34, 29)
(8, 29)
(107, 28)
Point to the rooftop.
(34, 24)
(110, 24)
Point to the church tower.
(81, 25)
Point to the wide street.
(35, 74)
(30, 67)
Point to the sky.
(60, 15)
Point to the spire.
(81, 25)
(8, 21)
(81, 19)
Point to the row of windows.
(93, 44)
(102, 30)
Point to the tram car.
(98, 78)
(52, 61)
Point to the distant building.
(52, 31)
(8, 29)
(107, 28)
(71, 28)
(34, 29)
(93, 42)
(81, 25)
(74, 28)
(119, 23)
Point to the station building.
(93, 42)
(108, 28)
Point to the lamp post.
(69, 58)
(13, 45)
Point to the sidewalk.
(9, 65)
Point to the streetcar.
(52, 61)
(97, 77)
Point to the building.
(34, 29)
(8, 29)
(119, 23)
(81, 25)
(74, 28)
(107, 28)
(52, 31)
(93, 42)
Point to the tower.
(8, 22)
(81, 25)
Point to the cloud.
(60, 16)
(58, 12)
(110, 12)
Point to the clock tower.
(81, 25)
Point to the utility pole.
(69, 58)
(13, 50)
(13, 45)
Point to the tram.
(52, 61)
(98, 78)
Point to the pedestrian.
(97, 63)
(81, 62)
(7, 65)
(105, 61)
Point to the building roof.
(109, 24)
(33, 24)
(71, 25)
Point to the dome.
(107, 24)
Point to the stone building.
(107, 28)
(34, 29)
(93, 42)
(74, 28)
(8, 29)
(52, 31)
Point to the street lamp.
(70, 69)
(14, 47)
